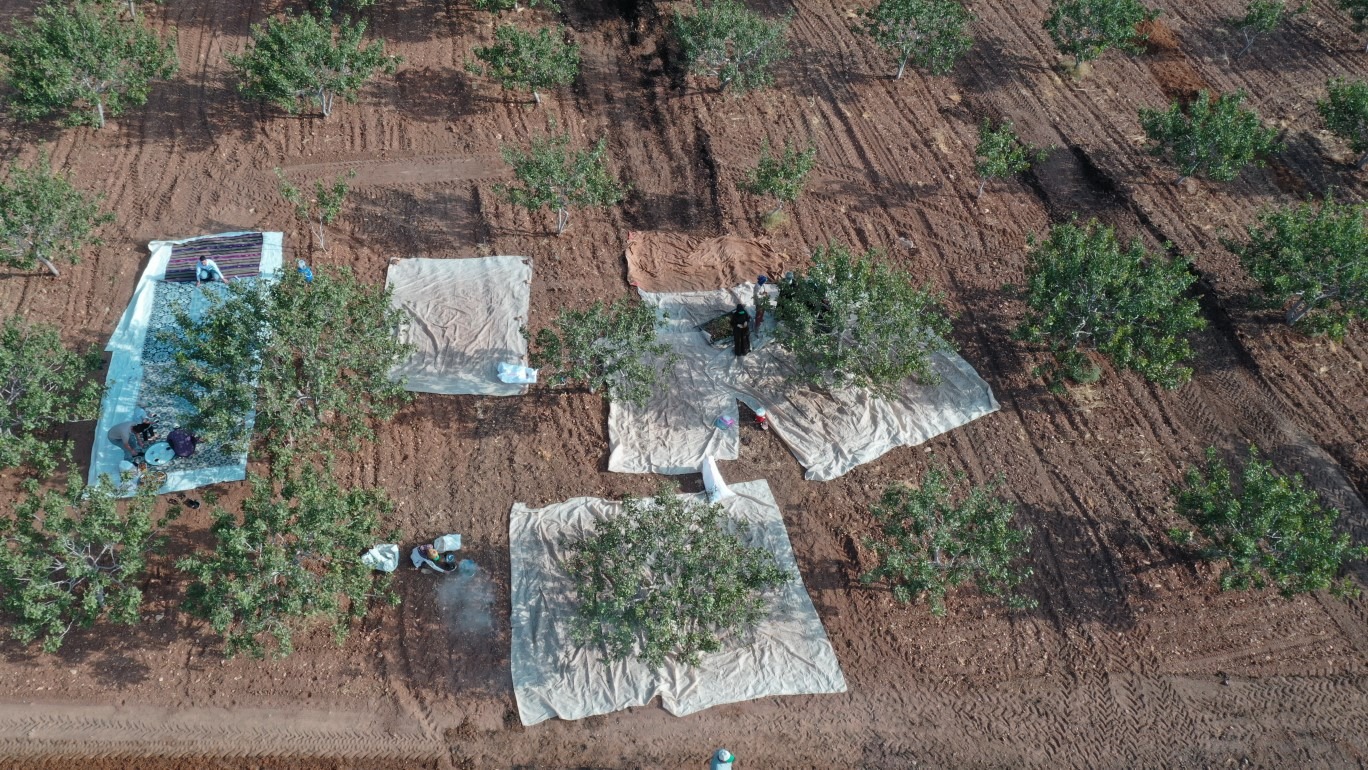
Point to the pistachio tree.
(933, 539)
(1216, 137)
(612, 348)
(1345, 112)
(528, 61)
(43, 385)
(551, 175)
(726, 40)
(1086, 290)
(780, 174)
(1086, 29)
(929, 34)
(83, 61)
(45, 218)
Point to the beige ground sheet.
(829, 432)
(465, 317)
(788, 653)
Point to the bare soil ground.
(1133, 658)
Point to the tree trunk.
(536, 97)
(902, 65)
(132, 10)
(322, 237)
(99, 110)
(982, 182)
(1362, 162)
(562, 219)
(325, 102)
(48, 264)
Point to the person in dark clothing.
(741, 330)
(182, 442)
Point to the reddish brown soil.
(1134, 658)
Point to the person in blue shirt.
(208, 270)
(305, 271)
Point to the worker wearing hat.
(722, 760)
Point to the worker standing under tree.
(741, 330)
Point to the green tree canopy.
(668, 578)
(1085, 29)
(1000, 153)
(931, 34)
(321, 354)
(1263, 17)
(1314, 257)
(726, 40)
(607, 347)
(321, 208)
(781, 174)
(1215, 137)
(855, 320)
(294, 556)
(82, 60)
(1358, 11)
(1085, 290)
(1345, 112)
(550, 174)
(1271, 530)
(44, 218)
(298, 58)
(933, 540)
(529, 61)
(43, 385)
(73, 557)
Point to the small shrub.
(781, 175)
(1000, 153)
(1358, 11)
(1270, 531)
(931, 542)
(1263, 17)
(323, 207)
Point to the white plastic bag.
(713, 482)
(517, 374)
(447, 543)
(383, 557)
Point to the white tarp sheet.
(789, 653)
(465, 318)
(124, 382)
(828, 432)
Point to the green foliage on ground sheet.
(1269, 530)
(295, 59)
(612, 348)
(529, 61)
(1216, 138)
(43, 385)
(1086, 290)
(84, 61)
(726, 40)
(313, 360)
(72, 557)
(668, 579)
(1312, 258)
(551, 175)
(44, 218)
(853, 320)
(933, 540)
(293, 557)
(930, 34)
